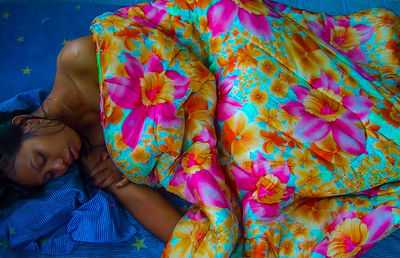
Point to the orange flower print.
(119, 142)
(273, 240)
(171, 146)
(257, 249)
(279, 88)
(315, 211)
(300, 231)
(239, 137)
(247, 56)
(272, 140)
(229, 63)
(387, 146)
(190, 234)
(391, 112)
(302, 157)
(270, 117)
(306, 54)
(329, 151)
(216, 45)
(130, 36)
(308, 177)
(196, 110)
(140, 155)
(108, 48)
(116, 21)
(387, 23)
(372, 129)
(258, 96)
(287, 247)
(190, 4)
(323, 190)
(268, 67)
(288, 78)
(307, 246)
(111, 113)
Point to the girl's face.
(45, 156)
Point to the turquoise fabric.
(42, 47)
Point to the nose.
(57, 166)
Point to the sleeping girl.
(280, 126)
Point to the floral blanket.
(280, 126)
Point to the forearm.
(150, 208)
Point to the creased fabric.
(280, 126)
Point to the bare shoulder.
(76, 80)
(78, 58)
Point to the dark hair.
(11, 138)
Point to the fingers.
(110, 181)
(122, 183)
(106, 174)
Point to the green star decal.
(3, 244)
(139, 244)
(26, 70)
(20, 39)
(65, 42)
(6, 15)
(44, 240)
(12, 231)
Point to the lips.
(74, 153)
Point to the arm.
(147, 205)
(150, 208)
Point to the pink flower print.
(198, 175)
(252, 15)
(323, 110)
(343, 37)
(266, 187)
(154, 13)
(349, 235)
(200, 186)
(227, 106)
(147, 93)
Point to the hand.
(105, 174)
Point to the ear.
(25, 125)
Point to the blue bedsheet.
(32, 36)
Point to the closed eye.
(41, 160)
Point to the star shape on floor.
(4, 244)
(20, 39)
(6, 15)
(65, 42)
(12, 231)
(27, 70)
(139, 244)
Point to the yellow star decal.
(65, 42)
(78, 7)
(27, 70)
(20, 39)
(6, 15)
(139, 244)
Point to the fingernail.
(118, 186)
(100, 187)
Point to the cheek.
(23, 174)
